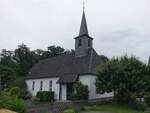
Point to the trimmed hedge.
(45, 96)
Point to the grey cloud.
(117, 26)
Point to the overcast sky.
(118, 26)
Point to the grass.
(71, 111)
(113, 108)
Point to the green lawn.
(114, 108)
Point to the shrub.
(147, 99)
(138, 105)
(20, 81)
(4, 98)
(45, 96)
(82, 109)
(140, 94)
(28, 96)
(20, 93)
(15, 91)
(81, 92)
(71, 111)
(91, 108)
(25, 94)
(17, 105)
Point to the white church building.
(59, 73)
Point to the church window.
(41, 85)
(80, 42)
(50, 85)
(33, 85)
(89, 43)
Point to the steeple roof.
(83, 27)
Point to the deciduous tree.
(7, 77)
(122, 75)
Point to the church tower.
(83, 42)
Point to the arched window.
(80, 42)
(41, 85)
(33, 85)
(50, 85)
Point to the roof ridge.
(57, 56)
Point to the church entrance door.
(69, 90)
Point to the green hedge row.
(45, 96)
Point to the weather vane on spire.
(83, 5)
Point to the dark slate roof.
(66, 67)
(68, 78)
(83, 27)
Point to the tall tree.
(25, 59)
(55, 50)
(22, 59)
(122, 75)
(7, 77)
(7, 58)
(52, 51)
(147, 78)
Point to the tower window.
(50, 85)
(33, 85)
(41, 85)
(80, 42)
(89, 43)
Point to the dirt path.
(95, 112)
(6, 111)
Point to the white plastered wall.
(90, 80)
(64, 92)
(55, 86)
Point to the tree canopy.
(17, 63)
(122, 75)
(7, 77)
(22, 58)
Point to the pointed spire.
(83, 27)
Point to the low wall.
(59, 107)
